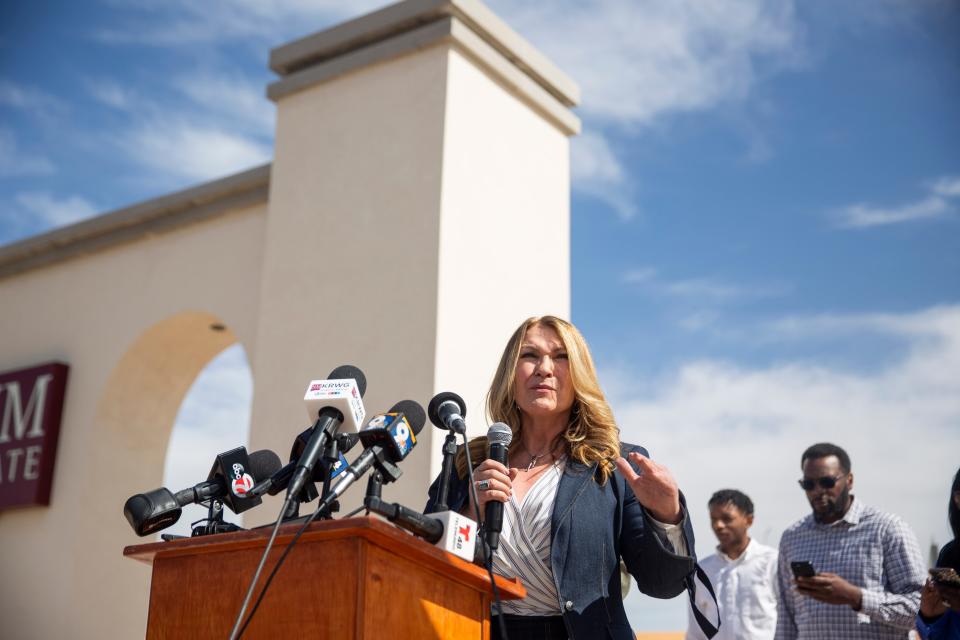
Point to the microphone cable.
(238, 630)
(487, 554)
(235, 633)
(280, 561)
(358, 510)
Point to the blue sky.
(766, 211)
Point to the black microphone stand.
(214, 522)
(374, 486)
(331, 455)
(446, 470)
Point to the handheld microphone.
(448, 530)
(335, 402)
(498, 436)
(232, 474)
(447, 411)
(388, 438)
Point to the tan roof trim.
(405, 27)
(191, 205)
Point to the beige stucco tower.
(415, 211)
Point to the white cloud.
(640, 275)
(716, 289)
(232, 98)
(113, 94)
(267, 22)
(947, 187)
(937, 204)
(221, 127)
(195, 152)
(28, 99)
(719, 424)
(698, 321)
(638, 61)
(860, 216)
(593, 160)
(53, 211)
(708, 288)
(15, 162)
(929, 324)
(596, 171)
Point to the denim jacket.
(593, 528)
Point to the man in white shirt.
(743, 573)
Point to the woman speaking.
(576, 499)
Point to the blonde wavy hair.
(592, 434)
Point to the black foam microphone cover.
(264, 463)
(346, 371)
(152, 511)
(447, 411)
(414, 413)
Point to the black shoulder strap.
(697, 581)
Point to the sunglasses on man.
(827, 482)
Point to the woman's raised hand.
(654, 487)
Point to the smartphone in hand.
(802, 569)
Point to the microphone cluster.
(239, 481)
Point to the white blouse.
(524, 549)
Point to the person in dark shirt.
(939, 617)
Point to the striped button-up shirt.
(870, 549)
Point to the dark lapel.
(575, 479)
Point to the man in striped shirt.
(869, 570)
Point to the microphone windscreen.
(152, 511)
(499, 433)
(433, 409)
(346, 371)
(414, 413)
(263, 464)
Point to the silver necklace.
(534, 458)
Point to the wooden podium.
(346, 579)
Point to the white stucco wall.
(350, 265)
(505, 230)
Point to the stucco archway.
(134, 418)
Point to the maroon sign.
(31, 403)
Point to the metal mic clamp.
(331, 455)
